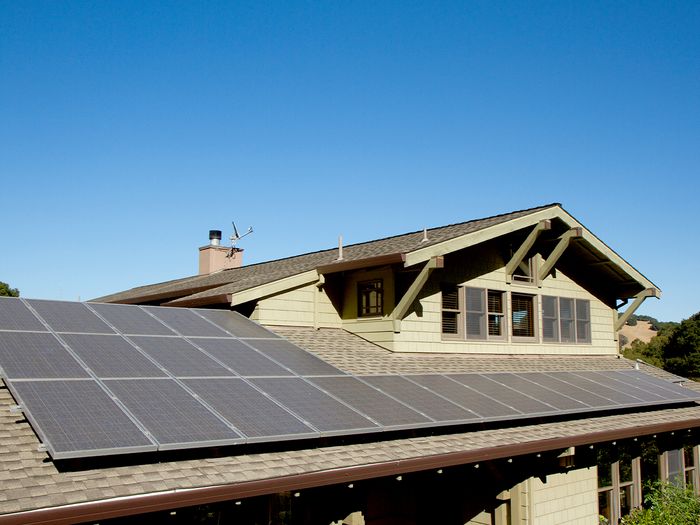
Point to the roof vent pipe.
(340, 247)
(425, 235)
(214, 237)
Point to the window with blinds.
(523, 315)
(450, 309)
(566, 320)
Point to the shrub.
(667, 504)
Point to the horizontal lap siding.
(423, 333)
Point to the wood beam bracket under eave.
(559, 249)
(525, 247)
(638, 300)
(403, 305)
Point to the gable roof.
(409, 248)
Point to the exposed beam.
(402, 307)
(638, 300)
(525, 247)
(558, 251)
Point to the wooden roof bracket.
(562, 245)
(638, 300)
(525, 247)
(402, 307)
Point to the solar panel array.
(97, 379)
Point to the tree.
(6, 291)
(667, 504)
(682, 351)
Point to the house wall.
(565, 498)
(335, 306)
(304, 306)
(421, 329)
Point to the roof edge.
(177, 498)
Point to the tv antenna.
(235, 237)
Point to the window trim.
(575, 321)
(462, 314)
(534, 338)
(361, 314)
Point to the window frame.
(535, 317)
(463, 313)
(575, 321)
(364, 290)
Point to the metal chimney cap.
(215, 237)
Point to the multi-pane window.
(370, 298)
(523, 315)
(473, 313)
(566, 320)
(619, 484)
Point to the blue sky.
(129, 129)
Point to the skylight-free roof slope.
(246, 277)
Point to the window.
(566, 320)
(370, 298)
(619, 483)
(450, 310)
(523, 315)
(473, 313)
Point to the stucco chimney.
(214, 257)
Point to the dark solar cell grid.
(111, 356)
(36, 355)
(179, 357)
(312, 405)
(423, 400)
(299, 361)
(77, 418)
(247, 409)
(482, 406)
(369, 401)
(14, 315)
(241, 358)
(130, 319)
(236, 324)
(64, 316)
(170, 413)
(186, 322)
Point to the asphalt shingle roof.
(246, 277)
(30, 481)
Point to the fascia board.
(470, 239)
(274, 287)
(424, 254)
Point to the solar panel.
(35, 355)
(663, 389)
(64, 316)
(130, 319)
(241, 358)
(369, 401)
(14, 315)
(502, 393)
(250, 411)
(77, 418)
(179, 357)
(173, 417)
(294, 358)
(236, 324)
(425, 401)
(313, 406)
(185, 322)
(217, 378)
(620, 387)
(478, 404)
(525, 386)
(613, 396)
(111, 356)
(584, 396)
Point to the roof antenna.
(425, 235)
(235, 237)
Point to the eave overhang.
(95, 511)
(357, 264)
